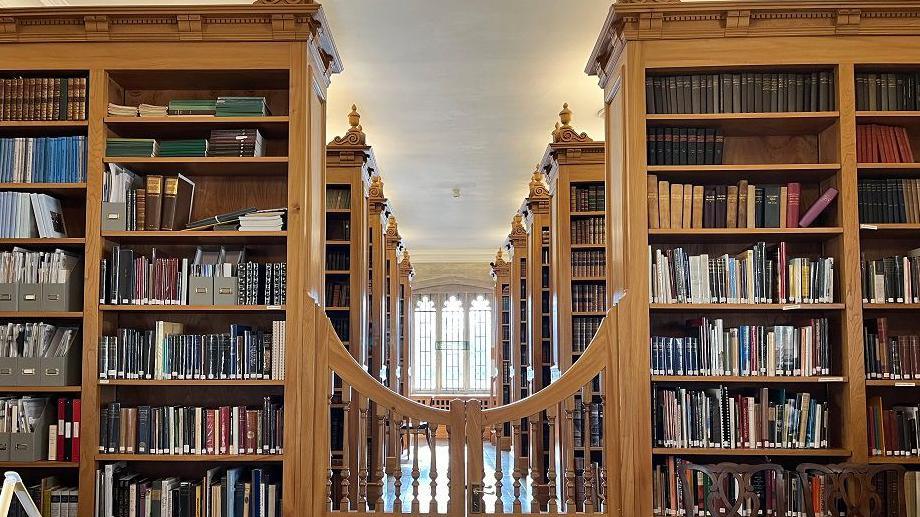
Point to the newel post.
(474, 472)
(611, 473)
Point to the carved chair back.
(852, 489)
(730, 491)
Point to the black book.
(771, 209)
(695, 94)
(691, 146)
(781, 104)
(649, 95)
(687, 90)
(660, 95)
(682, 101)
(757, 93)
(719, 144)
(660, 146)
(721, 206)
(758, 207)
(709, 207)
(899, 201)
(813, 93)
(726, 99)
(683, 146)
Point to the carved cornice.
(635, 20)
(564, 132)
(500, 268)
(392, 233)
(355, 135)
(518, 235)
(538, 201)
(405, 266)
(376, 201)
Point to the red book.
(75, 444)
(224, 430)
(61, 422)
(817, 207)
(209, 431)
(793, 199)
(907, 155)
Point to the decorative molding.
(376, 201)
(405, 266)
(440, 256)
(392, 233)
(538, 201)
(564, 132)
(500, 268)
(518, 235)
(355, 134)
(283, 2)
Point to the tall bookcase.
(238, 50)
(574, 168)
(376, 209)
(520, 351)
(501, 273)
(349, 166)
(404, 302)
(645, 41)
(543, 351)
(392, 337)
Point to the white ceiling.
(454, 94)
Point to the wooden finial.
(392, 233)
(565, 116)
(564, 131)
(355, 134)
(353, 118)
(517, 228)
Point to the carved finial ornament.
(392, 233)
(355, 134)
(376, 201)
(500, 267)
(565, 132)
(518, 232)
(537, 187)
(405, 267)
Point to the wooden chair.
(724, 478)
(850, 489)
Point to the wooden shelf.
(208, 458)
(752, 379)
(192, 308)
(39, 389)
(337, 272)
(40, 314)
(665, 451)
(588, 246)
(888, 230)
(589, 313)
(588, 279)
(752, 307)
(195, 236)
(61, 190)
(180, 125)
(43, 123)
(338, 309)
(338, 242)
(42, 464)
(735, 234)
(206, 166)
(34, 128)
(751, 124)
(588, 213)
(338, 210)
(891, 306)
(894, 460)
(36, 241)
(905, 383)
(236, 383)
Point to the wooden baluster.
(362, 454)
(432, 445)
(587, 442)
(415, 470)
(450, 464)
(499, 504)
(602, 507)
(602, 490)
(569, 473)
(395, 423)
(516, 467)
(381, 475)
(551, 504)
(329, 488)
(345, 472)
(534, 471)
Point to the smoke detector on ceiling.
(455, 192)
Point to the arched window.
(425, 335)
(452, 344)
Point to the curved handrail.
(345, 366)
(591, 362)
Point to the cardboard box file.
(61, 371)
(30, 297)
(32, 446)
(225, 289)
(9, 297)
(114, 217)
(200, 290)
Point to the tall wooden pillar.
(501, 385)
(520, 352)
(406, 274)
(376, 207)
(391, 331)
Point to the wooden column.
(406, 274)
(392, 241)
(501, 385)
(520, 351)
(376, 206)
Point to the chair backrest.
(852, 489)
(730, 491)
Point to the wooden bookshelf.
(574, 167)
(818, 148)
(520, 345)
(378, 212)
(405, 307)
(391, 342)
(238, 50)
(501, 385)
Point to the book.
(177, 199)
(43, 160)
(819, 206)
(154, 202)
(229, 217)
(43, 98)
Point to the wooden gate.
(450, 462)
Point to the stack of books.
(236, 142)
(118, 110)
(192, 107)
(131, 147)
(152, 110)
(241, 107)
(263, 221)
(197, 147)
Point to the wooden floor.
(424, 489)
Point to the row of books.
(50, 497)
(25, 215)
(895, 91)
(338, 228)
(166, 352)
(155, 202)
(745, 205)
(583, 331)
(43, 159)
(760, 274)
(589, 263)
(891, 279)
(740, 92)
(141, 110)
(338, 259)
(224, 106)
(889, 201)
(882, 144)
(37, 267)
(220, 492)
(341, 323)
(337, 293)
(684, 146)
(718, 418)
(64, 434)
(588, 230)
(272, 220)
(36, 339)
(194, 430)
(588, 423)
(338, 197)
(587, 198)
(222, 142)
(890, 356)
(130, 278)
(745, 350)
(893, 431)
(43, 98)
(589, 297)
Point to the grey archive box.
(32, 446)
(200, 290)
(9, 371)
(30, 297)
(4, 446)
(9, 297)
(29, 371)
(64, 297)
(225, 290)
(114, 216)
(61, 371)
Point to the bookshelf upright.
(520, 351)
(501, 273)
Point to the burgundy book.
(817, 207)
(793, 199)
